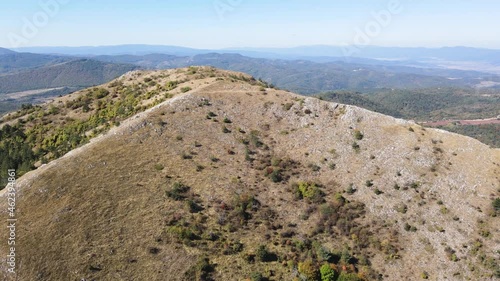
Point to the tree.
(308, 270)
(327, 273)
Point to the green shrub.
(178, 191)
(170, 85)
(410, 228)
(496, 204)
(225, 130)
(185, 89)
(254, 139)
(339, 199)
(401, 208)
(356, 146)
(257, 276)
(159, 167)
(358, 135)
(327, 273)
(275, 175)
(310, 191)
(314, 167)
(262, 254)
(350, 189)
(182, 233)
(193, 207)
(287, 106)
(227, 121)
(100, 93)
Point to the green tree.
(327, 273)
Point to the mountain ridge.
(227, 137)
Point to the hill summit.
(212, 175)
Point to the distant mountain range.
(77, 67)
(300, 75)
(307, 77)
(386, 53)
(448, 57)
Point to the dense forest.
(431, 104)
(488, 134)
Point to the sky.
(250, 23)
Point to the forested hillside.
(83, 72)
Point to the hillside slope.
(76, 73)
(4, 51)
(17, 62)
(231, 180)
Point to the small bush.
(410, 228)
(401, 208)
(496, 205)
(201, 271)
(308, 271)
(262, 254)
(275, 175)
(351, 189)
(182, 233)
(186, 156)
(310, 191)
(227, 121)
(193, 207)
(185, 89)
(159, 167)
(178, 191)
(170, 85)
(356, 146)
(358, 135)
(287, 106)
(327, 273)
(257, 276)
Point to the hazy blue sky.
(250, 23)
